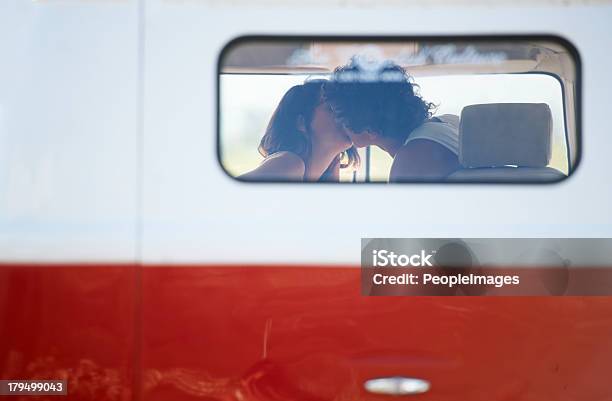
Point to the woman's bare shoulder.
(285, 162)
(280, 166)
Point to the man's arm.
(423, 160)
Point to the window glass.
(337, 110)
(248, 101)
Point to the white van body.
(108, 135)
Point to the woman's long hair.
(290, 125)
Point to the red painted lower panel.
(290, 333)
(72, 322)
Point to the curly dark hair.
(383, 100)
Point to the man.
(378, 105)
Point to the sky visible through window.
(247, 102)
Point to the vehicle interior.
(526, 134)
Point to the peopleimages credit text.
(385, 259)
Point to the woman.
(303, 142)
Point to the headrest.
(505, 134)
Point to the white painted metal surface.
(108, 137)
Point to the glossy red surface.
(73, 322)
(291, 333)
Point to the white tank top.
(445, 132)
